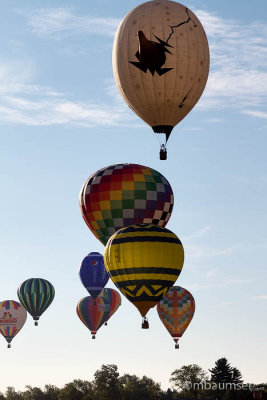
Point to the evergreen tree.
(222, 372)
(236, 376)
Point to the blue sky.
(61, 119)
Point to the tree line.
(188, 382)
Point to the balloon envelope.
(113, 298)
(93, 312)
(12, 319)
(176, 311)
(36, 295)
(122, 195)
(144, 261)
(161, 62)
(93, 273)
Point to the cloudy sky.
(61, 119)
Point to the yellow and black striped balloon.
(144, 261)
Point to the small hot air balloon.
(176, 311)
(144, 261)
(122, 195)
(93, 273)
(93, 312)
(36, 295)
(12, 318)
(113, 298)
(161, 63)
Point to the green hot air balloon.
(36, 295)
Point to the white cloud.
(256, 114)
(211, 273)
(24, 102)
(52, 111)
(262, 297)
(60, 23)
(222, 284)
(238, 76)
(196, 253)
(199, 233)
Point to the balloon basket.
(9, 346)
(163, 154)
(36, 323)
(177, 346)
(106, 323)
(145, 324)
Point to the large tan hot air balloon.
(161, 63)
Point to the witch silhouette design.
(151, 55)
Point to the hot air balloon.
(93, 312)
(93, 273)
(36, 295)
(144, 261)
(161, 63)
(176, 311)
(12, 319)
(113, 298)
(122, 195)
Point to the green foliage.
(107, 385)
(141, 389)
(33, 393)
(11, 394)
(51, 392)
(70, 392)
(185, 377)
(236, 376)
(191, 383)
(224, 373)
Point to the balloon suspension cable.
(145, 324)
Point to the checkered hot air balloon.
(12, 318)
(36, 295)
(144, 261)
(125, 194)
(176, 311)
